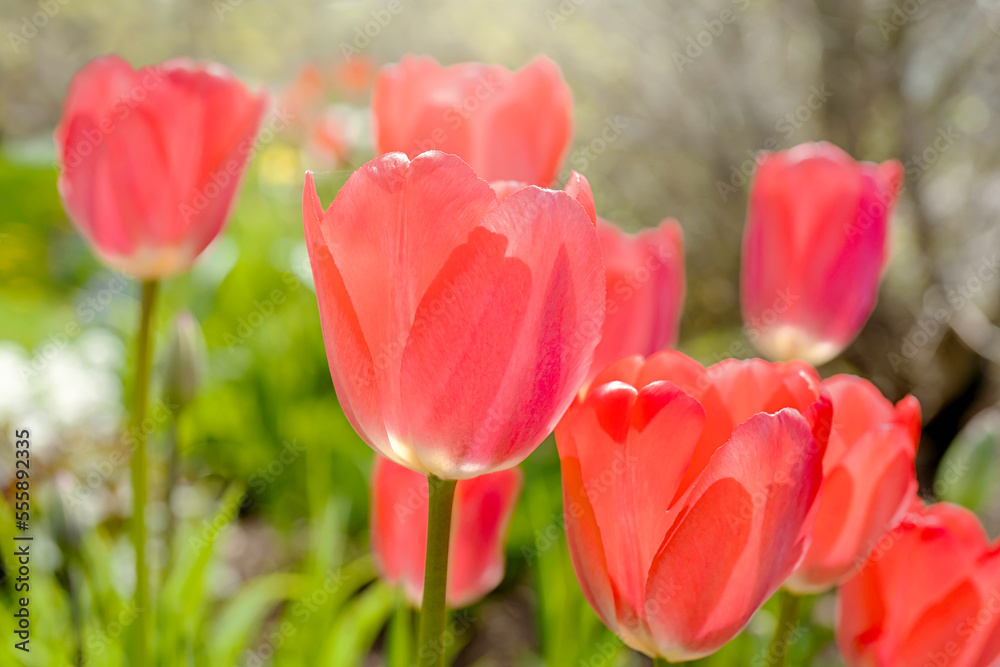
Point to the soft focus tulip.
(329, 141)
(814, 248)
(304, 96)
(645, 284)
(645, 280)
(507, 125)
(354, 76)
(152, 159)
(481, 511)
(458, 327)
(929, 595)
(689, 493)
(869, 480)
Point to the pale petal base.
(152, 263)
(789, 342)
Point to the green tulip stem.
(139, 470)
(781, 642)
(430, 648)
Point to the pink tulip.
(152, 159)
(869, 480)
(458, 327)
(814, 249)
(645, 283)
(689, 493)
(482, 509)
(507, 125)
(929, 595)
(645, 280)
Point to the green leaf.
(969, 473)
(399, 645)
(184, 603)
(242, 617)
(358, 625)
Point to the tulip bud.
(184, 360)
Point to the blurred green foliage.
(969, 473)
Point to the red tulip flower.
(507, 125)
(814, 249)
(645, 283)
(458, 327)
(869, 480)
(152, 159)
(928, 596)
(482, 509)
(690, 493)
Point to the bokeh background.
(261, 549)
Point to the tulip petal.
(908, 416)
(483, 508)
(586, 546)
(986, 638)
(530, 126)
(417, 106)
(736, 536)
(860, 629)
(516, 339)
(693, 379)
(578, 188)
(625, 370)
(656, 468)
(645, 275)
(950, 539)
(938, 626)
(884, 619)
(864, 496)
(350, 360)
(399, 220)
(751, 386)
(507, 125)
(620, 494)
(860, 407)
(399, 525)
(469, 319)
